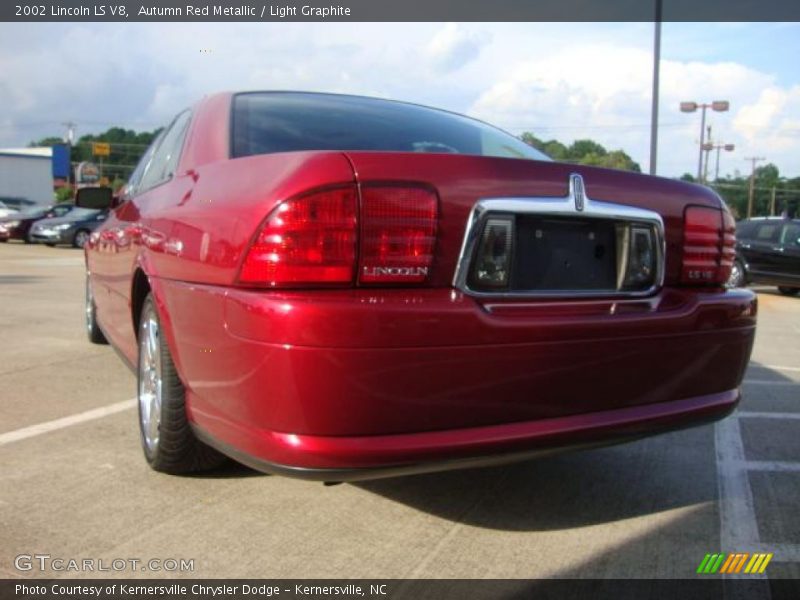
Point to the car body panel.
(428, 363)
(354, 458)
(365, 377)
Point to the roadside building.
(26, 176)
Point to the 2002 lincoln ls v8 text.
(336, 287)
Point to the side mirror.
(94, 197)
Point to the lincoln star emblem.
(578, 192)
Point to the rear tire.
(92, 328)
(80, 238)
(737, 275)
(789, 291)
(168, 442)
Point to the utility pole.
(688, 107)
(654, 108)
(707, 147)
(753, 160)
(702, 143)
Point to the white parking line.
(96, 413)
(768, 382)
(783, 552)
(745, 414)
(777, 368)
(771, 465)
(738, 527)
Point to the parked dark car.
(19, 225)
(768, 252)
(3, 233)
(73, 228)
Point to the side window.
(165, 158)
(768, 232)
(791, 234)
(136, 177)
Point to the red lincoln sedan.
(337, 288)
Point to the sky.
(561, 81)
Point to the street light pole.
(688, 107)
(727, 148)
(69, 138)
(702, 143)
(654, 108)
(707, 147)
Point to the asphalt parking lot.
(73, 483)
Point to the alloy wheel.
(737, 276)
(81, 238)
(89, 309)
(150, 380)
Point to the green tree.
(63, 194)
(581, 149)
(48, 141)
(127, 146)
(584, 152)
(768, 176)
(611, 160)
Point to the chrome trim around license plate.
(575, 204)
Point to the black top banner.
(402, 10)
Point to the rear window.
(288, 122)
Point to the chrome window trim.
(575, 204)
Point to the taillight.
(728, 246)
(708, 245)
(306, 240)
(398, 234)
(313, 239)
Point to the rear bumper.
(358, 379)
(362, 458)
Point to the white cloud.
(772, 121)
(454, 46)
(603, 91)
(561, 81)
